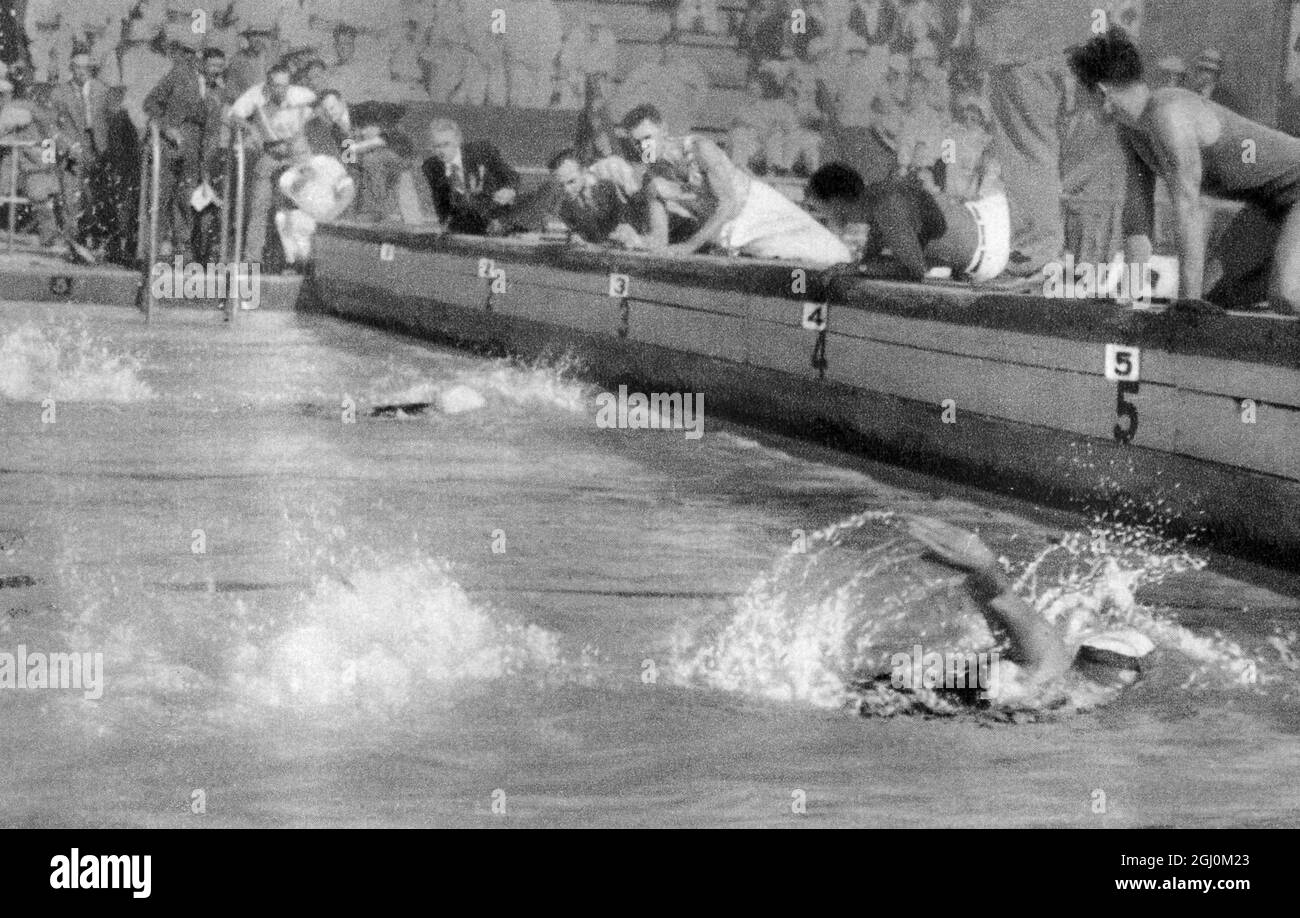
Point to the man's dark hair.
(643, 112)
(211, 53)
(1109, 58)
(562, 157)
(836, 182)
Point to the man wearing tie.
(181, 107)
(473, 186)
(81, 114)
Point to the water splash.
(821, 625)
(66, 363)
(381, 637)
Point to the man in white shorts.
(736, 212)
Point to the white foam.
(40, 361)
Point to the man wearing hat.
(181, 105)
(250, 64)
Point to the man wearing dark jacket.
(473, 187)
(188, 121)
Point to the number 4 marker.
(814, 316)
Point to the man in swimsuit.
(920, 229)
(734, 210)
(1199, 147)
(1033, 643)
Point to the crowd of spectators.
(290, 75)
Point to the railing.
(232, 218)
(12, 198)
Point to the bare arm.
(717, 171)
(1178, 146)
(1034, 643)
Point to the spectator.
(531, 45)
(81, 112)
(36, 179)
(277, 112)
(179, 104)
(593, 208)
(734, 210)
(918, 229)
(143, 66)
(471, 184)
(1023, 42)
(249, 67)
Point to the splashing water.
(66, 364)
(821, 625)
(385, 634)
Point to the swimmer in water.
(1034, 644)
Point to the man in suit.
(473, 187)
(181, 106)
(81, 112)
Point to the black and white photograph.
(644, 414)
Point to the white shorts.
(993, 251)
(770, 225)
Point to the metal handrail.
(235, 214)
(12, 198)
(150, 169)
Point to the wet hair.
(643, 112)
(211, 53)
(563, 156)
(836, 182)
(1108, 58)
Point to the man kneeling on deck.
(736, 212)
(1198, 146)
(918, 229)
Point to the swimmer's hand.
(952, 545)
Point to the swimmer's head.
(1110, 67)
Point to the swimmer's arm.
(717, 170)
(1033, 642)
(1179, 148)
